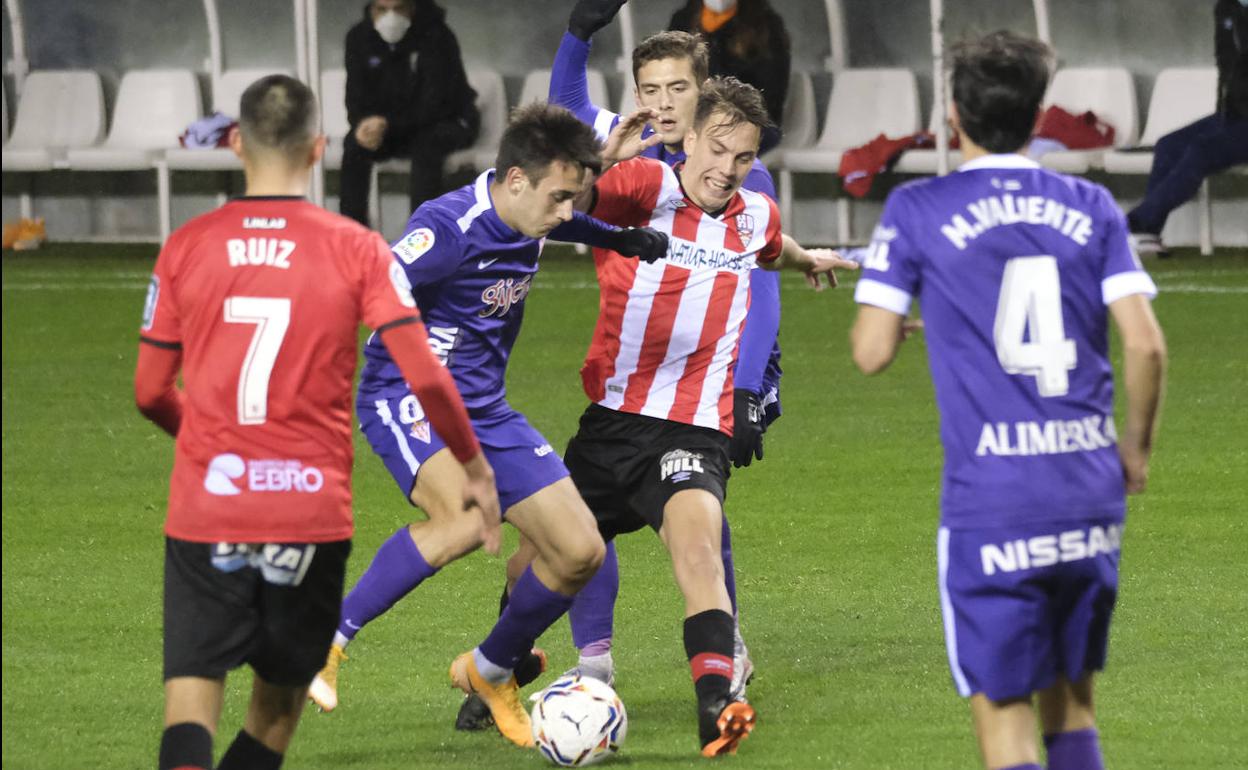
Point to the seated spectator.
(748, 41)
(407, 96)
(1183, 158)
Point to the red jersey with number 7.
(264, 297)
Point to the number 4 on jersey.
(1031, 304)
(271, 317)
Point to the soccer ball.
(578, 721)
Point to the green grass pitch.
(834, 536)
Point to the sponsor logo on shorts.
(1047, 550)
(543, 450)
(261, 476)
(282, 564)
(678, 465)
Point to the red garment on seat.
(860, 165)
(1077, 132)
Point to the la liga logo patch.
(414, 245)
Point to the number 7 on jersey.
(271, 316)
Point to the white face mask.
(392, 26)
(719, 6)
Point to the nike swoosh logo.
(483, 264)
(352, 625)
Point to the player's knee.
(582, 561)
(700, 559)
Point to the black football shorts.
(274, 606)
(627, 466)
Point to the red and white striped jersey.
(666, 341)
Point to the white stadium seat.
(801, 127)
(58, 110)
(864, 103)
(225, 99)
(536, 87)
(1109, 92)
(153, 107)
(1181, 95)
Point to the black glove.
(747, 428)
(589, 16)
(644, 242)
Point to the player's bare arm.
(813, 262)
(1144, 376)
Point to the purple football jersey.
(1014, 267)
(470, 274)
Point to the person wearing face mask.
(407, 96)
(748, 41)
(1183, 158)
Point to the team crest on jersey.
(414, 245)
(420, 431)
(745, 227)
(149, 305)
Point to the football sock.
(531, 609)
(247, 753)
(708, 645)
(502, 600)
(186, 746)
(730, 571)
(397, 568)
(1076, 750)
(1028, 766)
(593, 609)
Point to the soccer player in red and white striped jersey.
(653, 447)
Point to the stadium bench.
(58, 110)
(153, 107)
(863, 104)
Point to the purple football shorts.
(399, 432)
(1023, 605)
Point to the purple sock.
(397, 568)
(1076, 750)
(730, 570)
(592, 614)
(531, 610)
(1028, 766)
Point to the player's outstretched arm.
(644, 242)
(1144, 376)
(813, 262)
(155, 385)
(431, 382)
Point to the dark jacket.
(753, 47)
(1231, 49)
(414, 83)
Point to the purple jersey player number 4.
(1018, 270)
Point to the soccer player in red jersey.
(258, 305)
(653, 448)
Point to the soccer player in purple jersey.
(669, 69)
(470, 256)
(1018, 271)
